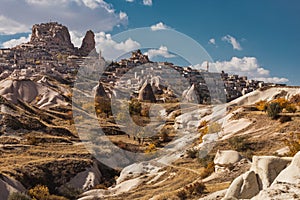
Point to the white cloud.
(18, 16)
(14, 42)
(147, 2)
(162, 51)
(212, 41)
(246, 66)
(273, 80)
(130, 1)
(76, 38)
(10, 26)
(45, 2)
(111, 49)
(231, 40)
(159, 26)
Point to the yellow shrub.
(293, 142)
(261, 105)
(39, 192)
(203, 124)
(203, 132)
(151, 148)
(281, 101)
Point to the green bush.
(273, 110)
(70, 192)
(239, 143)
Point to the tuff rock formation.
(146, 93)
(88, 44)
(189, 95)
(51, 35)
(260, 177)
(100, 91)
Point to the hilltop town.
(50, 52)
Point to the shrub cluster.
(273, 110)
(276, 106)
(239, 143)
(293, 142)
(41, 192)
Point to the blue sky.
(258, 38)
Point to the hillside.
(244, 129)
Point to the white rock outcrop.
(291, 174)
(243, 187)
(226, 157)
(267, 168)
(265, 179)
(87, 179)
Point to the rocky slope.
(237, 175)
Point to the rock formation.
(146, 93)
(291, 174)
(9, 186)
(189, 94)
(88, 44)
(30, 92)
(50, 35)
(286, 185)
(100, 91)
(243, 187)
(85, 180)
(226, 158)
(267, 168)
(262, 174)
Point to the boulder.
(267, 168)
(227, 157)
(291, 174)
(243, 187)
